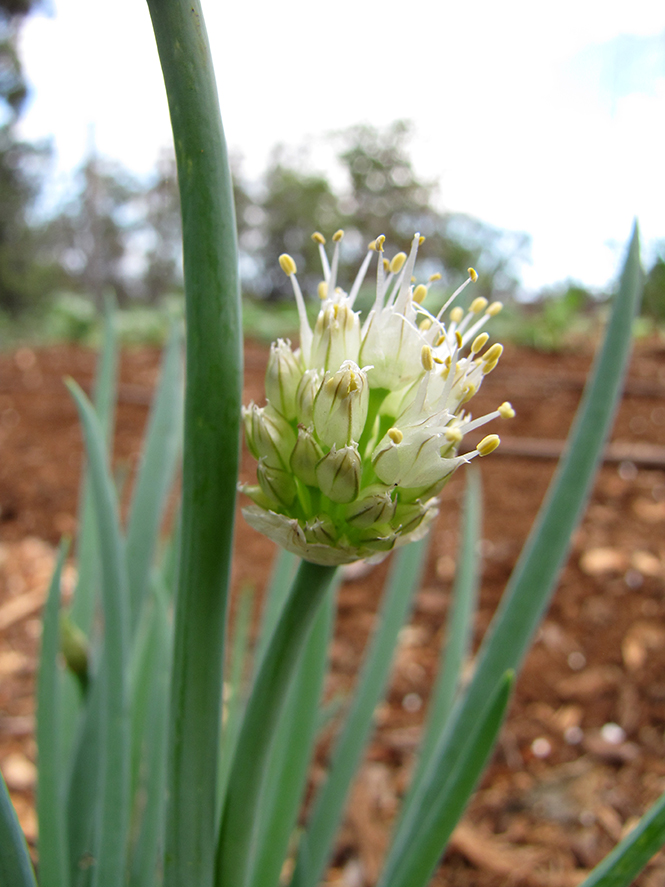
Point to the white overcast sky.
(547, 118)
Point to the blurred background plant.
(114, 232)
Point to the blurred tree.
(295, 203)
(160, 230)
(653, 300)
(22, 168)
(90, 237)
(387, 197)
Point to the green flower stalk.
(363, 423)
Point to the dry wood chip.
(518, 864)
(599, 561)
(641, 639)
(589, 683)
(16, 609)
(19, 772)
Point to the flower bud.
(305, 456)
(276, 483)
(336, 336)
(268, 434)
(341, 404)
(282, 377)
(373, 506)
(321, 530)
(375, 541)
(338, 474)
(408, 517)
(305, 394)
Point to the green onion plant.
(146, 776)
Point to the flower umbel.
(364, 421)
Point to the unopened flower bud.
(282, 377)
(305, 456)
(321, 530)
(74, 648)
(336, 336)
(341, 404)
(268, 434)
(373, 506)
(277, 483)
(305, 394)
(338, 474)
(409, 516)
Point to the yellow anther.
(473, 274)
(397, 263)
(439, 341)
(372, 245)
(317, 237)
(386, 265)
(488, 444)
(458, 338)
(434, 277)
(426, 358)
(478, 305)
(420, 293)
(448, 361)
(493, 353)
(456, 314)
(469, 391)
(378, 243)
(413, 279)
(395, 435)
(337, 236)
(479, 342)
(506, 410)
(494, 308)
(322, 290)
(287, 264)
(421, 240)
(425, 324)
(454, 435)
(489, 366)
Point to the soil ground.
(582, 754)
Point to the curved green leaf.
(532, 583)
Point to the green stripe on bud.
(277, 483)
(338, 474)
(269, 436)
(305, 456)
(341, 404)
(282, 377)
(373, 506)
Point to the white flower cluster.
(363, 422)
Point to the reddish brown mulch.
(583, 752)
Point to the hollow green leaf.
(211, 438)
(317, 841)
(156, 474)
(280, 583)
(291, 751)
(15, 866)
(240, 822)
(439, 817)
(150, 794)
(53, 868)
(626, 861)
(459, 632)
(85, 597)
(234, 690)
(533, 580)
(113, 802)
